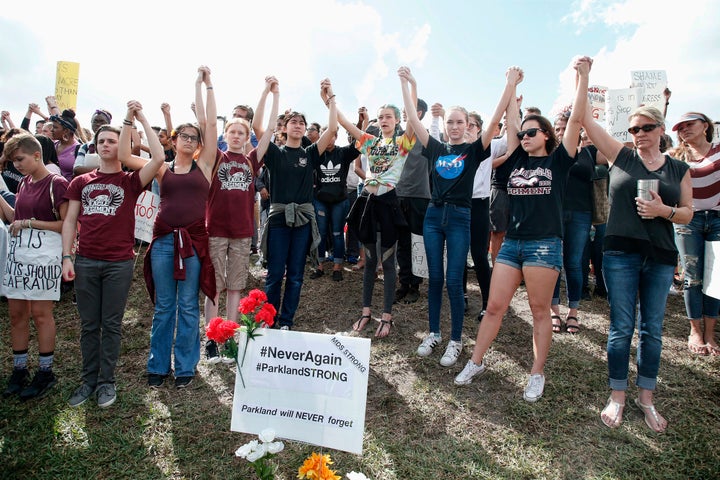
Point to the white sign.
(711, 276)
(146, 209)
(596, 97)
(619, 104)
(653, 83)
(33, 267)
(419, 260)
(308, 387)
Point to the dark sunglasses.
(530, 132)
(645, 128)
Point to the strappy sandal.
(613, 412)
(650, 413)
(382, 328)
(556, 327)
(361, 323)
(572, 329)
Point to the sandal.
(713, 350)
(382, 331)
(572, 329)
(361, 323)
(650, 413)
(699, 348)
(358, 266)
(611, 415)
(556, 327)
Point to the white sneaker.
(452, 352)
(535, 387)
(428, 343)
(471, 370)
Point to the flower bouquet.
(259, 454)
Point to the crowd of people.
(517, 188)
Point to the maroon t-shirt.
(230, 207)
(107, 213)
(33, 198)
(183, 197)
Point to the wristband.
(209, 88)
(672, 214)
(328, 100)
(127, 122)
(67, 256)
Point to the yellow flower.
(316, 468)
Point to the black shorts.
(499, 210)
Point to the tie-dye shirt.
(385, 158)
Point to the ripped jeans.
(690, 240)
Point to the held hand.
(51, 101)
(650, 208)
(326, 88)
(33, 107)
(363, 114)
(68, 270)
(192, 107)
(5, 114)
(206, 74)
(264, 194)
(514, 75)
(437, 110)
(16, 227)
(582, 65)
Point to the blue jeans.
(576, 227)
(336, 213)
(177, 312)
(690, 240)
(631, 278)
(287, 251)
(446, 225)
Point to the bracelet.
(327, 102)
(30, 223)
(67, 256)
(127, 122)
(209, 88)
(672, 214)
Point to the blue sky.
(457, 50)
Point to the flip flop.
(381, 328)
(556, 327)
(613, 411)
(699, 349)
(713, 350)
(650, 413)
(575, 328)
(360, 324)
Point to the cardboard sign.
(146, 209)
(711, 275)
(653, 83)
(619, 104)
(66, 85)
(306, 386)
(33, 268)
(596, 97)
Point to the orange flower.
(316, 468)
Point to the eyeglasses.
(189, 138)
(530, 132)
(312, 129)
(473, 125)
(645, 128)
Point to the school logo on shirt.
(100, 199)
(450, 166)
(240, 180)
(537, 181)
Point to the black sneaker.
(337, 275)
(182, 382)
(211, 352)
(156, 380)
(401, 292)
(43, 381)
(18, 381)
(317, 274)
(412, 295)
(481, 315)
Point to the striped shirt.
(706, 180)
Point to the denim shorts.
(545, 252)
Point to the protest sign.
(419, 261)
(618, 106)
(66, 85)
(711, 275)
(33, 268)
(308, 387)
(653, 83)
(146, 209)
(596, 97)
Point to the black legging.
(479, 240)
(389, 272)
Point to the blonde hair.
(241, 121)
(649, 112)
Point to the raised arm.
(52, 105)
(127, 132)
(604, 142)
(408, 86)
(165, 107)
(326, 92)
(580, 104)
(507, 102)
(271, 86)
(157, 153)
(206, 159)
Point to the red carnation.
(266, 315)
(248, 305)
(258, 295)
(221, 330)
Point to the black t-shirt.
(536, 189)
(291, 174)
(331, 174)
(452, 170)
(578, 193)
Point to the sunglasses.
(645, 128)
(189, 138)
(530, 132)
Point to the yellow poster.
(66, 84)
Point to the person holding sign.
(177, 263)
(532, 249)
(31, 280)
(639, 254)
(695, 131)
(452, 167)
(103, 203)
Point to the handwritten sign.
(308, 387)
(596, 97)
(653, 83)
(618, 106)
(33, 268)
(419, 259)
(146, 209)
(66, 84)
